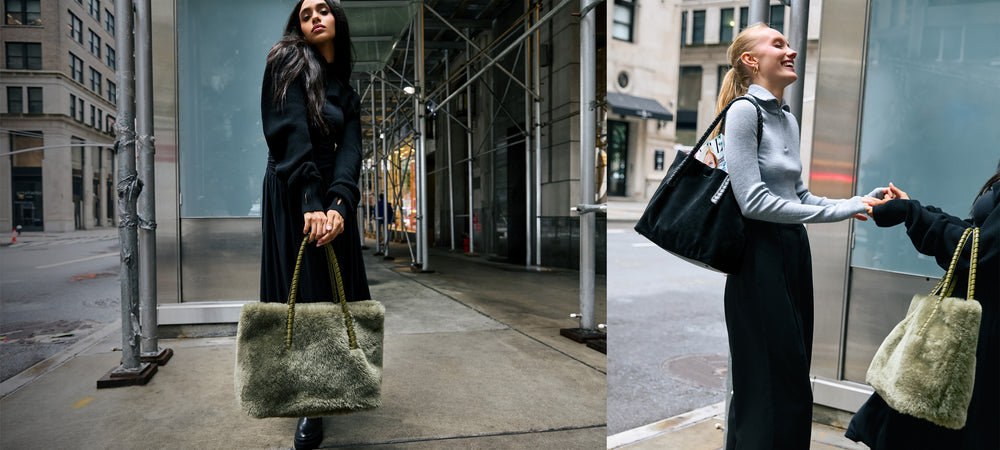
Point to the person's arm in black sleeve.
(343, 194)
(286, 129)
(936, 233)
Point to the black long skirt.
(769, 315)
(282, 223)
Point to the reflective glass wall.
(929, 115)
(222, 50)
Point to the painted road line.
(78, 260)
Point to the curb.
(678, 422)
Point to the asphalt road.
(55, 289)
(667, 347)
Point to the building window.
(744, 17)
(24, 55)
(34, 100)
(109, 22)
(684, 28)
(75, 28)
(80, 110)
(95, 9)
(688, 96)
(76, 67)
(15, 103)
(100, 119)
(726, 25)
(723, 70)
(72, 106)
(110, 56)
(93, 115)
(624, 20)
(698, 28)
(778, 18)
(95, 43)
(95, 81)
(112, 92)
(24, 12)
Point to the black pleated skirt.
(769, 315)
(282, 222)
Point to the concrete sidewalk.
(473, 360)
(702, 429)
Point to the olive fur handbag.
(926, 367)
(309, 360)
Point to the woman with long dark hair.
(936, 233)
(312, 126)
(769, 302)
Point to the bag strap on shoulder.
(946, 287)
(719, 118)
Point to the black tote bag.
(693, 214)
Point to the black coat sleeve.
(347, 167)
(936, 233)
(286, 129)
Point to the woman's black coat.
(310, 170)
(936, 233)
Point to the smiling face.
(774, 59)
(317, 23)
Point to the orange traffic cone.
(13, 236)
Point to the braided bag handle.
(333, 268)
(946, 287)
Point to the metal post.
(375, 166)
(529, 185)
(537, 125)
(588, 222)
(759, 12)
(447, 131)
(421, 122)
(147, 199)
(132, 370)
(384, 167)
(468, 143)
(798, 38)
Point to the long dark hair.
(292, 57)
(989, 183)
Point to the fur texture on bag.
(930, 376)
(319, 375)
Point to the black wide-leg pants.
(769, 315)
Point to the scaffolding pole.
(131, 371)
(451, 187)
(759, 12)
(529, 185)
(468, 144)
(384, 167)
(150, 350)
(420, 117)
(798, 38)
(537, 127)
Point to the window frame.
(109, 57)
(94, 40)
(72, 106)
(25, 55)
(76, 73)
(112, 92)
(23, 12)
(629, 5)
(724, 27)
(109, 22)
(694, 26)
(780, 10)
(39, 101)
(13, 91)
(95, 9)
(75, 28)
(96, 81)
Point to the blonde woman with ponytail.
(769, 302)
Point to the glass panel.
(929, 117)
(744, 16)
(698, 28)
(222, 152)
(621, 32)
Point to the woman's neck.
(326, 50)
(777, 91)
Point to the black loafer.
(309, 433)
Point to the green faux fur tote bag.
(309, 360)
(926, 367)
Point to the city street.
(667, 335)
(55, 289)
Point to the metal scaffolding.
(428, 79)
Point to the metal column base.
(415, 268)
(582, 335)
(160, 359)
(119, 378)
(600, 345)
